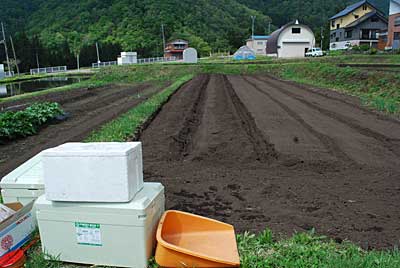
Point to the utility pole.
(163, 36)
(97, 50)
(269, 27)
(77, 61)
(253, 20)
(5, 46)
(322, 36)
(37, 59)
(15, 56)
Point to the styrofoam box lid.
(137, 206)
(98, 149)
(29, 175)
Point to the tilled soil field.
(88, 109)
(258, 152)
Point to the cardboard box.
(17, 229)
(93, 172)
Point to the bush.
(373, 51)
(27, 122)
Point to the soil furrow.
(87, 115)
(264, 150)
(328, 142)
(386, 141)
(331, 96)
(183, 140)
(312, 184)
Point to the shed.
(292, 40)
(244, 53)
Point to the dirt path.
(258, 152)
(89, 109)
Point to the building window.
(296, 30)
(348, 34)
(356, 16)
(333, 24)
(337, 26)
(397, 21)
(337, 39)
(260, 43)
(365, 7)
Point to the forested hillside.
(58, 30)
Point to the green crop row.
(16, 124)
(124, 127)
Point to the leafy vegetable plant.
(16, 124)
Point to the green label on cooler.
(88, 234)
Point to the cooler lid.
(137, 206)
(29, 175)
(98, 149)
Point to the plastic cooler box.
(110, 234)
(25, 183)
(93, 172)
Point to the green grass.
(22, 78)
(126, 125)
(91, 83)
(307, 250)
(379, 90)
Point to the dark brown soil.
(260, 153)
(88, 109)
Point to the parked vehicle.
(315, 52)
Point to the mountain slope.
(135, 24)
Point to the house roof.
(366, 17)
(272, 44)
(260, 37)
(179, 41)
(350, 9)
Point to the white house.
(258, 43)
(292, 40)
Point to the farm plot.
(258, 152)
(88, 109)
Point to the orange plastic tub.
(187, 240)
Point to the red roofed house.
(175, 48)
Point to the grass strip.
(307, 250)
(91, 83)
(123, 127)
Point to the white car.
(315, 52)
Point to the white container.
(93, 172)
(110, 234)
(25, 183)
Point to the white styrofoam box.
(93, 172)
(109, 234)
(25, 183)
